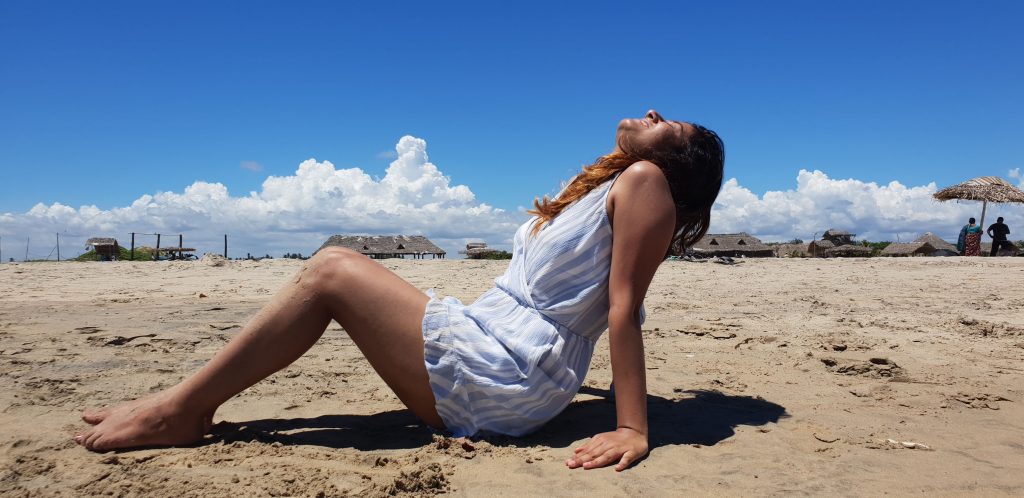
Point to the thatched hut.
(928, 244)
(838, 237)
(837, 244)
(908, 249)
(106, 247)
(790, 250)
(479, 250)
(387, 246)
(732, 245)
(936, 242)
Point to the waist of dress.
(497, 292)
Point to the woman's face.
(652, 132)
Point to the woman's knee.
(331, 266)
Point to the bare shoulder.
(641, 183)
(642, 172)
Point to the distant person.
(969, 242)
(998, 231)
(514, 359)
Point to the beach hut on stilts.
(106, 248)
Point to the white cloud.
(876, 212)
(251, 166)
(293, 213)
(1016, 175)
(296, 213)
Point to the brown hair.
(693, 169)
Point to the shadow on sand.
(701, 417)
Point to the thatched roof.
(732, 244)
(829, 249)
(983, 188)
(928, 244)
(936, 242)
(101, 241)
(789, 250)
(480, 252)
(832, 232)
(384, 244)
(907, 249)
(848, 251)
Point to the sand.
(771, 377)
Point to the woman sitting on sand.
(516, 357)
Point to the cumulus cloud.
(877, 212)
(295, 213)
(289, 214)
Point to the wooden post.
(156, 252)
(181, 241)
(27, 240)
(225, 246)
(131, 254)
(58, 246)
(984, 204)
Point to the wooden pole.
(27, 240)
(984, 204)
(131, 254)
(58, 246)
(225, 246)
(156, 252)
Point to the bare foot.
(151, 421)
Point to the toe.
(90, 441)
(82, 437)
(94, 416)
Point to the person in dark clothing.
(998, 231)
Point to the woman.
(969, 242)
(513, 359)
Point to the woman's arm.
(643, 217)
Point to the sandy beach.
(775, 376)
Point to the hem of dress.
(442, 366)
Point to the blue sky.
(103, 102)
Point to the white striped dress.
(516, 357)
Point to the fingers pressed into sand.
(627, 459)
(601, 460)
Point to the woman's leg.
(380, 311)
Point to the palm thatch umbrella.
(983, 188)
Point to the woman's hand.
(624, 446)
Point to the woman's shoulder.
(644, 181)
(641, 177)
(641, 171)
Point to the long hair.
(693, 169)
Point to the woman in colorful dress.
(969, 242)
